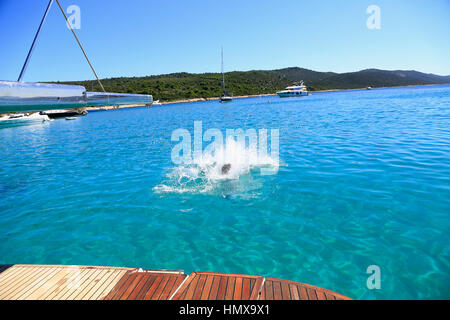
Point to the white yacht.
(294, 91)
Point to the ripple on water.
(363, 180)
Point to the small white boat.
(296, 90)
(369, 88)
(23, 118)
(71, 118)
(156, 103)
(226, 98)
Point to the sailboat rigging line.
(81, 47)
(22, 72)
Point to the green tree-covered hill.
(176, 86)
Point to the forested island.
(176, 86)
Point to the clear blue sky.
(142, 37)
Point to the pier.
(58, 282)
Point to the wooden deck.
(277, 289)
(55, 282)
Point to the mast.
(223, 78)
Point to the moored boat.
(22, 119)
(224, 95)
(53, 114)
(296, 90)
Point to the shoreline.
(274, 94)
(116, 107)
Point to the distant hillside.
(175, 86)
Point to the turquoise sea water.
(364, 180)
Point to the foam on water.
(204, 172)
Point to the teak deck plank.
(230, 288)
(118, 286)
(303, 293)
(110, 274)
(320, 295)
(9, 272)
(69, 291)
(136, 278)
(29, 293)
(200, 287)
(50, 284)
(178, 284)
(237, 289)
(169, 288)
(294, 292)
(56, 282)
(99, 276)
(219, 286)
(62, 285)
(149, 279)
(285, 292)
(124, 287)
(180, 292)
(246, 287)
(207, 288)
(277, 291)
(222, 288)
(104, 290)
(160, 289)
(214, 288)
(79, 290)
(269, 290)
(191, 289)
(27, 284)
(290, 290)
(13, 279)
(152, 289)
(20, 282)
(137, 289)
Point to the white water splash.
(204, 173)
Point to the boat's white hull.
(23, 120)
(226, 99)
(286, 94)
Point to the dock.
(58, 282)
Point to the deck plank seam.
(110, 275)
(210, 287)
(170, 284)
(40, 281)
(137, 291)
(20, 282)
(181, 285)
(148, 281)
(103, 277)
(152, 289)
(125, 286)
(67, 274)
(198, 292)
(158, 291)
(263, 283)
